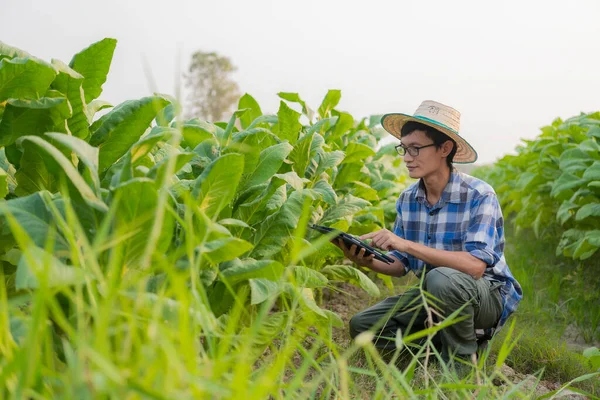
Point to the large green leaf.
(87, 154)
(93, 63)
(564, 185)
(307, 277)
(295, 98)
(271, 326)
(292, 179)
(251, 143)
(593, 237)
(194, 134)
(160, 169)
(324, 189)
(69, 82)
(35, 175)
(347, 273)
(262, 289)
(94, 107)
(230, 128)
(322, 125)
(224, 249)
(349, 173)
(123, 169)
(36, 263)
(357, 153)
(77, 181)
(169, 113)
(588, 210)
(135, 216)
(33, 215)
(314, 156)
(254, 208)
(329, 160)
(24, 78)
(270, 161)
(272, 234)
(217, 185)
(263, 121)
(247, 101)
(565, 211)
(143, 146)
(593, 172)
(332, 98)
(344, 123)
(250, 268)
(364, 191)
(345, 209)
(289, 126)
(34, 117)
(584, 249)
(123, 126)
(7, 51)
(590, 146)
(300, 155)
(277, 200)
(574, 160)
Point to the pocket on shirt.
(452, 240)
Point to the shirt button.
(428, 237)
(430, 212)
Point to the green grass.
(108, 337)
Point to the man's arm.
(396, 268)
(460, 260)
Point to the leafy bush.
(141, 211)
(555, 180)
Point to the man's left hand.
(387, 240)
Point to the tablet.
(350, 240)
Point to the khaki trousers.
(453, 289)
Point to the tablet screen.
(350, 240)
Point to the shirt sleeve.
(399, 231)
(485, 237)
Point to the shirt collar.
(454, 192)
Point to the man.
(450, 226)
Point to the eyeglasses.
(412, 150)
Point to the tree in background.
(212, 90)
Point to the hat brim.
(393, 123)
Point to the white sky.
(509, 67)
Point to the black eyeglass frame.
(411, 149)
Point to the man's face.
(429, 160)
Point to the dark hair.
(438, 137)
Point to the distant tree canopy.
(212, 91)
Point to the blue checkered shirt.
(466, 218)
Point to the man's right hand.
(395, 269)
(351, 254)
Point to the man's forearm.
(394, 269)
(459, 260)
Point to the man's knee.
(441, 283)
(357, 325)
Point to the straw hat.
(436, 115)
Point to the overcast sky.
(509, 67)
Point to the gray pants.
(453, 289)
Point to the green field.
(149, 256)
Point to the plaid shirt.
(466, 218)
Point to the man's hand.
(350, 253)
(386, 240)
